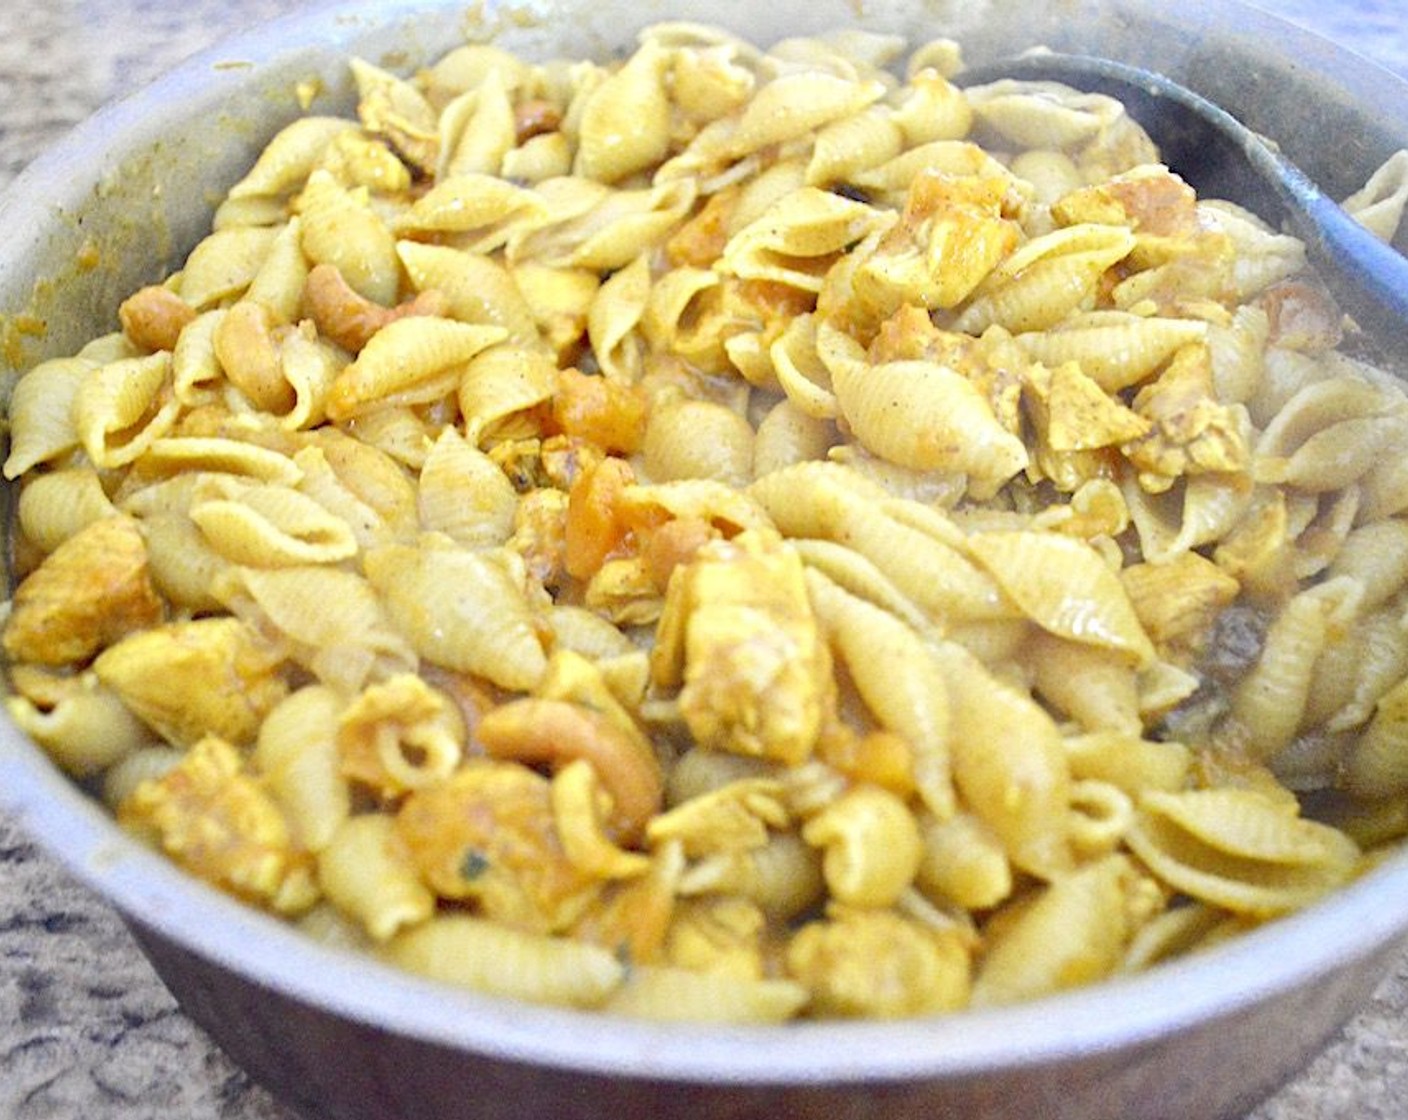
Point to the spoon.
(1225, 159)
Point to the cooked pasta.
(728, 533)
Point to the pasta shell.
(462, 610)
(184, 567)
(121, 409)
(1355, 669)
(788, 435)
(410, 361)
(799, 237)
(57, 505)
(1043, 114)
(340, 230)
(1378, 205)
(476, 129)
(479, 212)
(539, 158)
(624, 125)
(1237, 849)
(224, 264)
(602, 228)
(963, 863)
(1093, 686)
(297, 757)
(672, 303)
(898, 680)
(783, 876)
(331, 620)
(508, 962)
(925, 416)
(360, 484)
(272, 526)
(709, 82)
(479, 289)
(861, 578)
(955, 157)
(196, 373)
(1066, 587)
(82, 724)
(392, 107)
(665, 994)
(289, 158)
(41, 412)
(1262, 256)
(1130, 763)
(698, 439)
(1114, 348)
(1268, 702)
(463, 494)
(852, 144)
(278, 284)
(801, 372)
(871, 843)
(191, 454)
(796, 104)
(829, 501)
(559, 301)
(501, 384)
(1199, 510)
(1377, 764)
(366, 873)
(614, 319)
(1074, 932)
(1009, 765)
(1047, 279)
(931, 108)
(1327, 435)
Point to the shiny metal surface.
(338, 1036)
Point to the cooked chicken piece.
(878, 964)
(739, 633)
(215, 818)
(735, 817)
(90, 591)
(953, 233)
(632, 917)
(1192, 433)
(1150, 200)
(189, 680)
(487, 834)
(540, 534)
(1178, 602)
(723, 935)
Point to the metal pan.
(339, 1036)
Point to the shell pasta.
(728, 534)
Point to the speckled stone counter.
(86, 1029)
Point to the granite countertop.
(86, 1029)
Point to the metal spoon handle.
(1368, 278)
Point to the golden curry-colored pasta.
(729, 534)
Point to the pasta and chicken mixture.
(730, 535)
